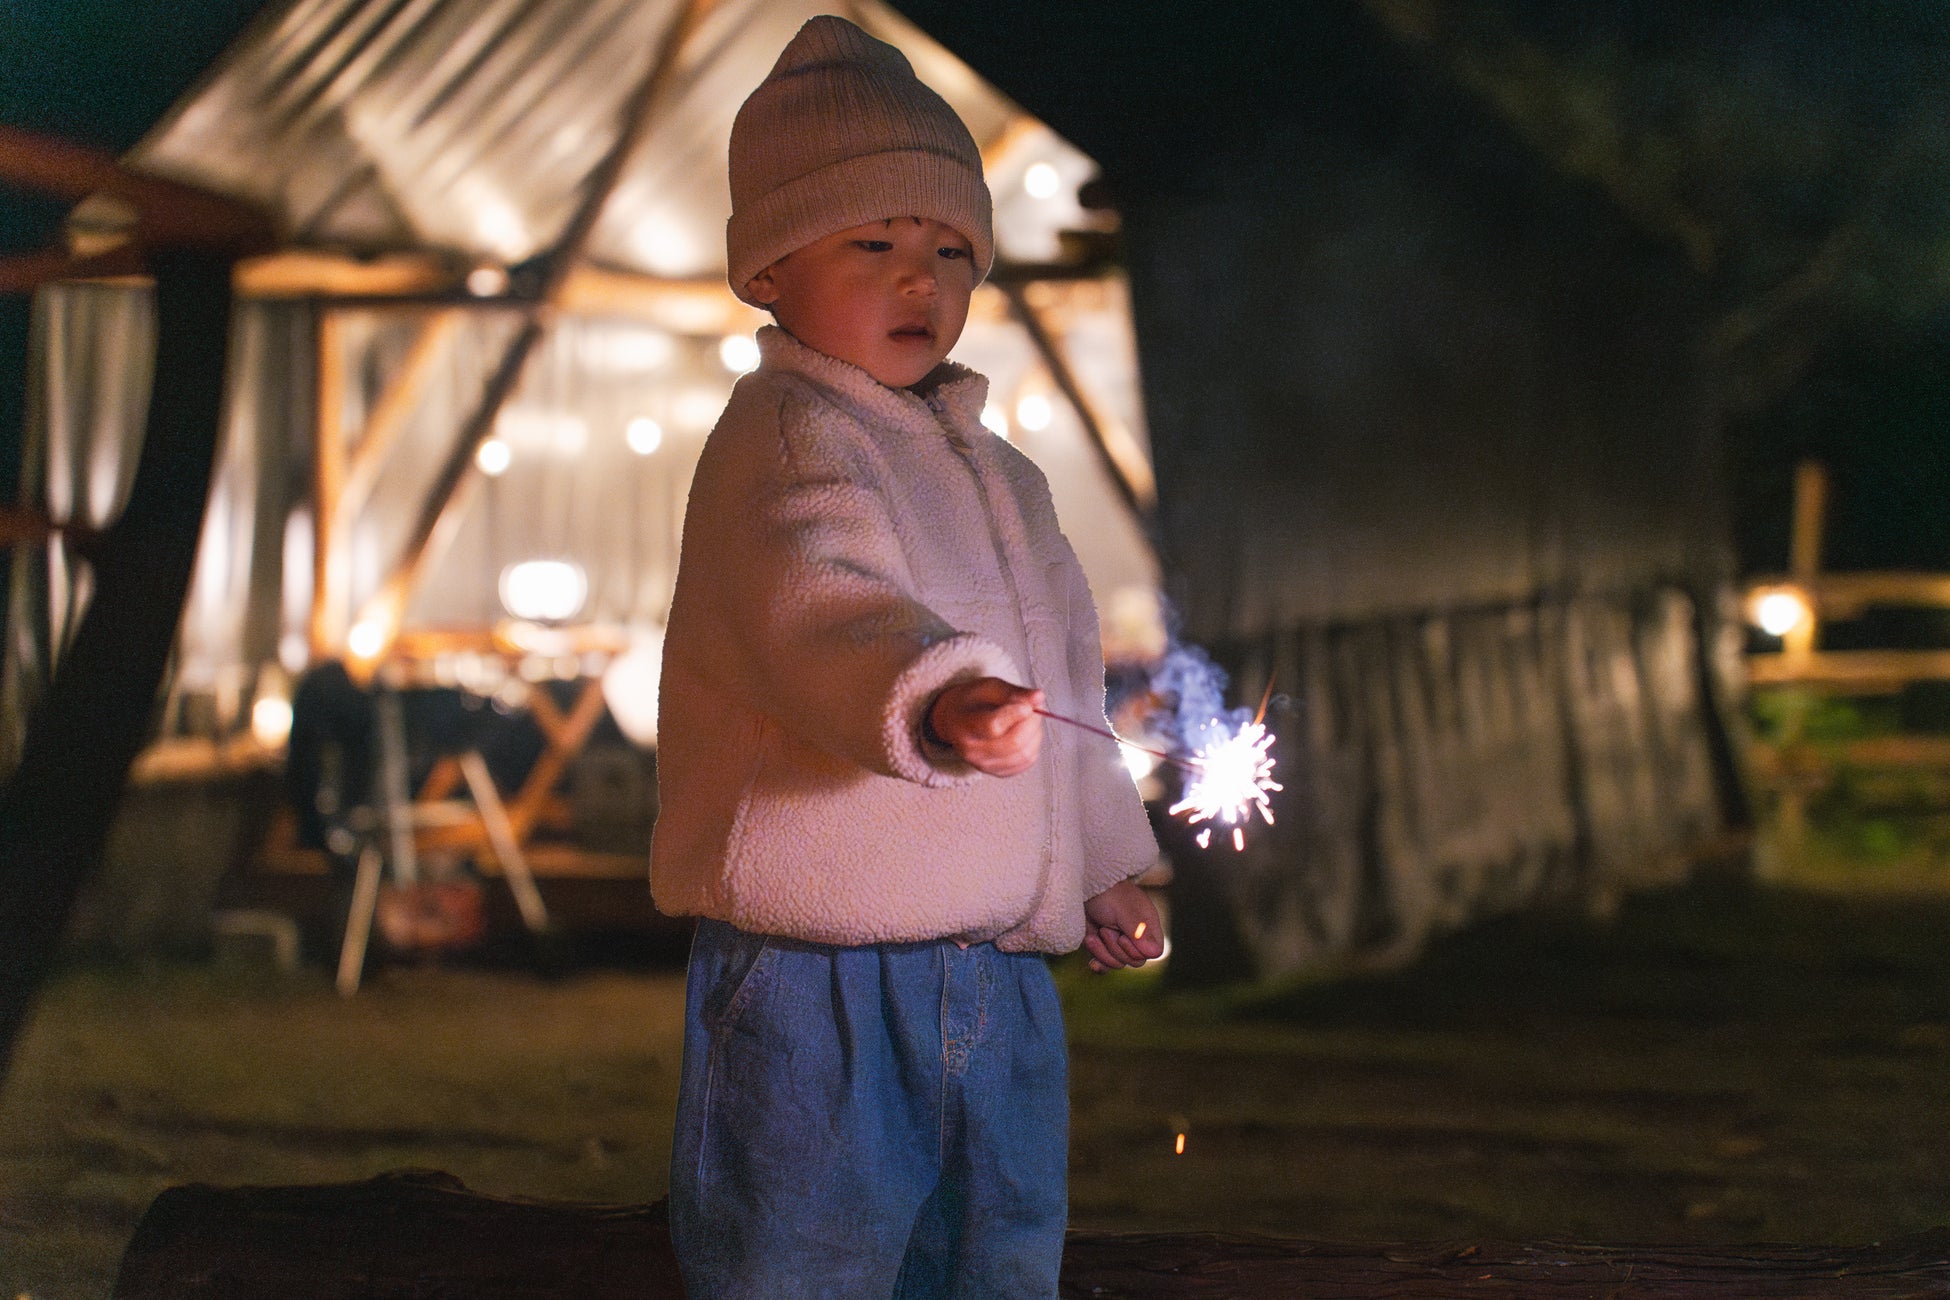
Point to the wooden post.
(328, 563)
(1804, 553)
(1797, 649)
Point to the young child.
(859, 798)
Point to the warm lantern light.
(1178, 1148)
(739, 352)
(995, 421)
(1041, 181)
(366, 639)
(494, 457)
(487, 281)
(1779, 611)
(271, 720)
(644, 435)
(1034, 412)
(544, 591)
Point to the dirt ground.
(1717, 1065)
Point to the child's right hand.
(992, 724)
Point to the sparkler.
(1233, 777)
(1228, 778)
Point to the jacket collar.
(951, 394)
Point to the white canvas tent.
(535, 190)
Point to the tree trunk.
(418, 1235)
(96, 714)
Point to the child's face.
(889, 296)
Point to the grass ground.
(1714, 1066)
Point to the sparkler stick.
(1187, 764)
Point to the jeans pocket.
(745, 985)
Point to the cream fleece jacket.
(849, 550)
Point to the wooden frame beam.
(390, 414)
(26, 272)
(1126, 467)
(306, 273)
(447, 498)
(169, 214)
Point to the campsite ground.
(1719, 1065)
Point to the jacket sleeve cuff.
(957, 659)
(1118, 841)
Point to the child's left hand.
(1122, 928)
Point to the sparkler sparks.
(1227, 779)
(1232, 778)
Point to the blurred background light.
(544, 591)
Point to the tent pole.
(446, 500)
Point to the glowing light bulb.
(494, 457)
(487, 281)
(1780, 611)
(271, 720)
(644, 435)
(739, 352)
(1034, 412)
(544, 591)
(366, 639)
(1041, 181)
(995, 421)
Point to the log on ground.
(415, 1235)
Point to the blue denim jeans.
(864, 1122)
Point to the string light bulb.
(644, 435)
(493, 456)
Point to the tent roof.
(474, 125)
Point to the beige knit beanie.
(841, 132)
